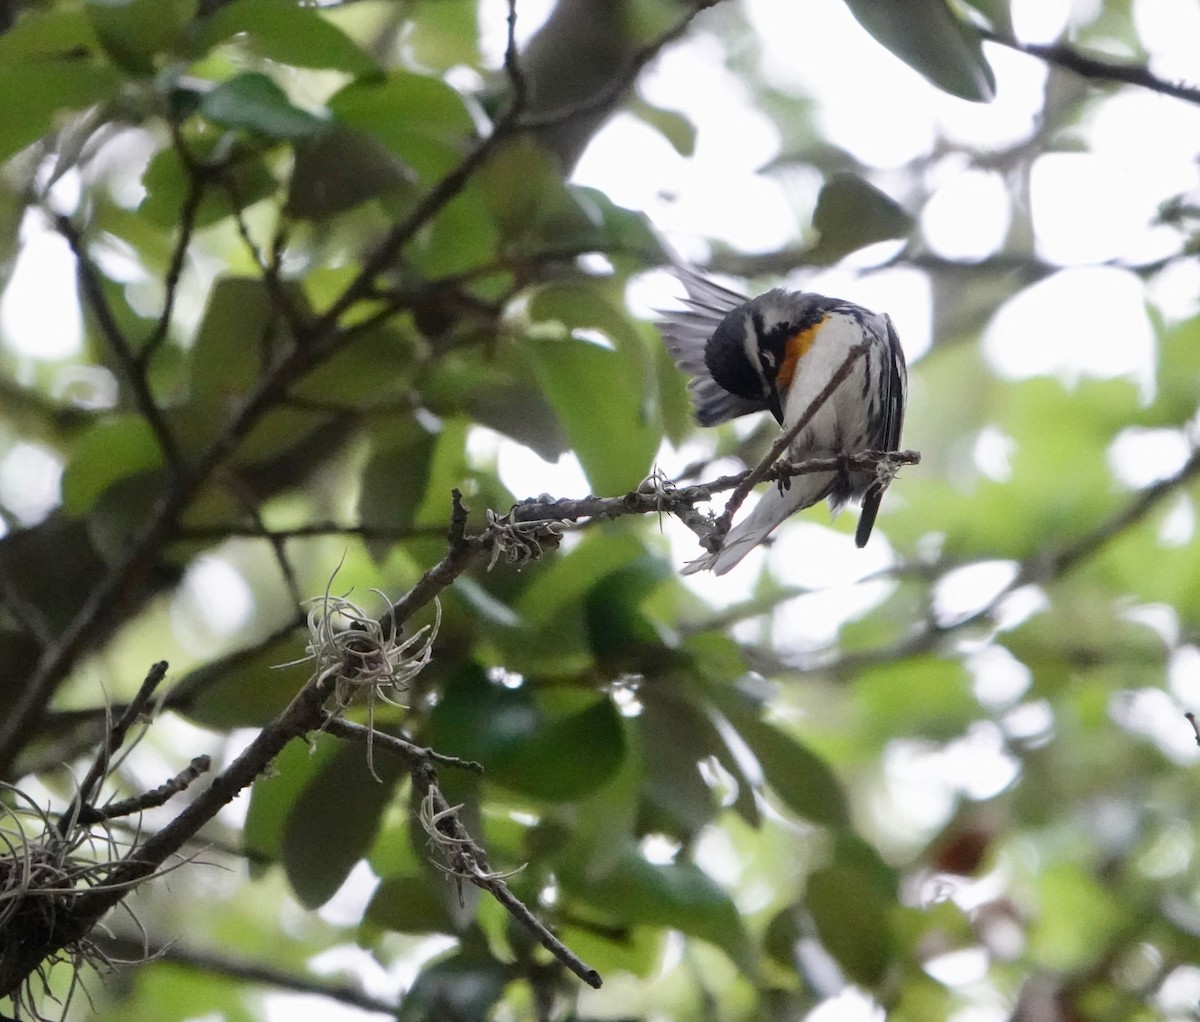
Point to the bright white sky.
(1088, 207)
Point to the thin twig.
(512, 63)
(112, 743)
(269, 270)
(1096, 69)
(410, 752)
(130, 367)
(187, 225)
(27, 614)
(277, 543)
(1062, 560)
(615, 87)
(151, 799)
(468, 861)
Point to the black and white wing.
(893, 394)
(686, 334)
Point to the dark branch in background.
(314, 529)
(1063, 560)
(519, 535)
(1045, 567)
(134, 950)
(187, 225)
(1095, 68)
(126, 358)
(28, 616)
(314, 342)
(615, 88)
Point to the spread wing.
(686, 333)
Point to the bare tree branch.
(1095, 68)
(466, 860)
(112, 743)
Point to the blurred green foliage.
(724, 827)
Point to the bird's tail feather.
(772, 508)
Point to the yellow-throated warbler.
(777, 353)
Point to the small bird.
(776, 353)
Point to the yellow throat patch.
(794, 349)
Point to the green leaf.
(675, 736)
(394, 480)
(419, 118)
(289, 34)
(997, 13)
(852, 213)
(597, 401)
(135, 32)
(1077, 917)
(679, 895)
(567, 755)
(852, 920)
(923, 695)
(166, 181)
(463, 987)
(48, 88)
(497, 391)
(110, 451)
(797, 775)
(522, 187)
(243, 690)
(932, 40)
(339, 169)
(603, 397)
(615, 622)
(556, 745)
(572, 575)
(448, 470)
(1178, 369)
(675, 127)
(443, 35)
(275, 793)
(333, 821)
(50, 32)
(226, 356)
(410, 904)
(254, 103)
(375, 366)
(460, 238)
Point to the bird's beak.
(774, 405)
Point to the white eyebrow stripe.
(751, 345)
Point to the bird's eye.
(767, 358)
